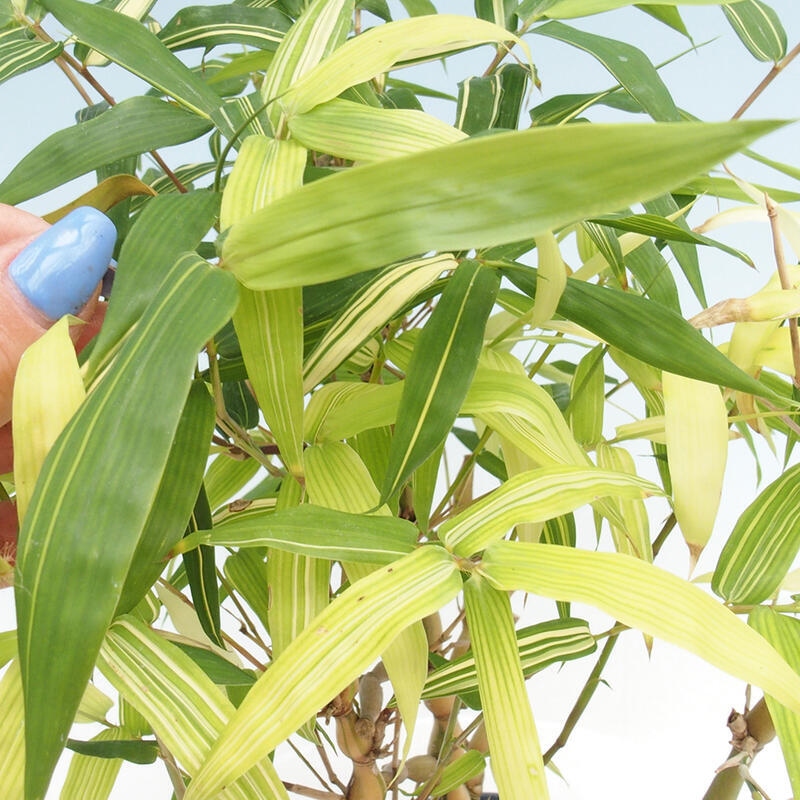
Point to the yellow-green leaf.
(649, 598)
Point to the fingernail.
(60, 269)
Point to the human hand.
(45, 272)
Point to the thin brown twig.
(175, 776)
(786, 283)
(332, 776)
(768, 78)
(315, 794)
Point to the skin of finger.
(20, 323)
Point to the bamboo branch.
(768, 78)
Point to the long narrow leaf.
(516, 757)
(96, 513)
(128, 43)
(394, 210)
(441, 370)
(315, 531)
(20, 52)
(535, 496)
(131, 127)
(759, 29)
(339, 644)
(648, 598)
(185, 709)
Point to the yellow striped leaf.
(650, 599)
(269, 325)
(321, 28)
(93, 777)
(759, 29)
(357, 132)
(379, 49)
(763, 544)
(514, 749)
(369, 310)
(12, 733)
(393, 211)
(47, 391)
(783, 633)
(533, 496)
(551, 279)
(92, 515)
(185, 709)
(335, 648)
(696, 429)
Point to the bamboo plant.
(243, 515)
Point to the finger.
(46, 272)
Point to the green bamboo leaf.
(21, 51)
(393, 211)
(247, 573)
(167, 227)
(535, 496)
(185, 709)
(783, 633)
(194, 302)
(728, 188)
(362, 133)
(647, 598)
(671, 344)
(201, 572)
(759, 29)
(762, 545)
(131, 127)
(221, 671)
(441, 370)
(391, 45)
(516, 756)
(90, 776)
(322, 27)
(567, 9)
(209, 26)
(629, 65)
(368, 311)
(666, 14)
(539, 646)
(314, 531)
(176, 494)
(128, 43)
(587, 398)
(116, 747)
(653, 225)
(336, 647)
(478, 103)
(269, 325)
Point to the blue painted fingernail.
(60, 269)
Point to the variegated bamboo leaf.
(759, 29)
(90, 776)
(12, 733)
(551, 278)
(567, 9)
(334, 649)
(763, 544)
(539, 646)
(311, 236)
(185, 709)
(194, 302)
(648, 598)
(783, 633)
(537, 495)
(20, 51)
(209, 26)
(368, 311)
(357, 132)
(269, 324)
(516, 756)
(314, 531)
(386, 46)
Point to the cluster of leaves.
(362, 306)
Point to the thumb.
(46, 272)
